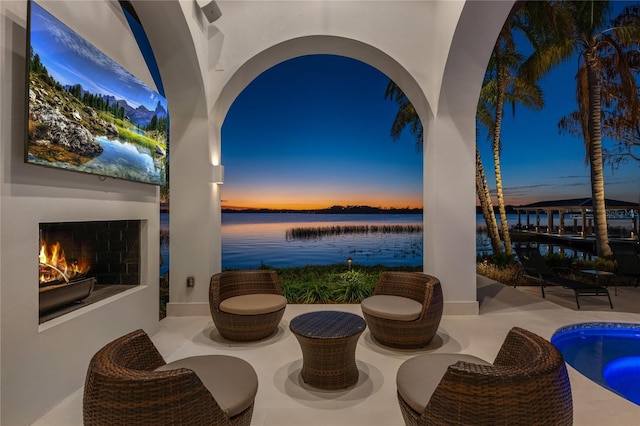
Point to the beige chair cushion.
(253, 304)
(418, 377)
(392, 307)
(232, 381)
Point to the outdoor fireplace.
(82, 262)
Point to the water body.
(122, 160)
(252, 239)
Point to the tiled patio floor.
(282, 400)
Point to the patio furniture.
(536, 268)
(246, 305)
(129, 383)
(527, 384)
(627, 256)
(405, 309)
(328, 341)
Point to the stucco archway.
(443, 85)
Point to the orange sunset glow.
(298, 201)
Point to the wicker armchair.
(392, 314)
(246, 305)
(526, 385)
(129, 383)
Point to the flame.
(54, 265)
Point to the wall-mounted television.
(87, 113)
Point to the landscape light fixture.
(349, 260)
(217, 174)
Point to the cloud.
(73, 44)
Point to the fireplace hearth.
(80, 263)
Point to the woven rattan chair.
(129, 383)
(392, 314)
(527, 384)
(246, 305)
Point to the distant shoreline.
(332, 210)
(164, 207)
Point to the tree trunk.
(482, 189)
(504, 224)
(595, 155)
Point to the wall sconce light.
(210, 10)
(217, 174)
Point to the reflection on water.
(252, 239)
(122, 160)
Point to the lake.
(252, 239)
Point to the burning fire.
(55, 267)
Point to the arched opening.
(443, 86)
(312, 46)
(310, 137)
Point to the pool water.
(607, 353)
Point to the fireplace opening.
(80, 263)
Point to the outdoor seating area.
(284, 398)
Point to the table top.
(327, 324)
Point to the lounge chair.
(627, 256)
(536, 268)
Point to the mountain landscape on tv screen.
(78, 117)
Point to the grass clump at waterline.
(332, 283)
(308, 233)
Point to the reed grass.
(308, 233)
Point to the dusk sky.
(70, 59)
(314, 132)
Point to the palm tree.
(505, 85)
(605, 64)
(406, 117)
(511, 78)
(482, 189)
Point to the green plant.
(507, 274)
(498, 259)
(352, 286)
(331, 283)
(318, 292)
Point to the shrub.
(352, 286)
(512, 273)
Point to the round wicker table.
(328, 341)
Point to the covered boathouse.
(579, 210)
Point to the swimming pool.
(606, 352)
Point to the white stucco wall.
(416, 43)
(41, 364)
(435, 50)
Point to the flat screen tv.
(87, 113)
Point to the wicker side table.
(328, 341)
